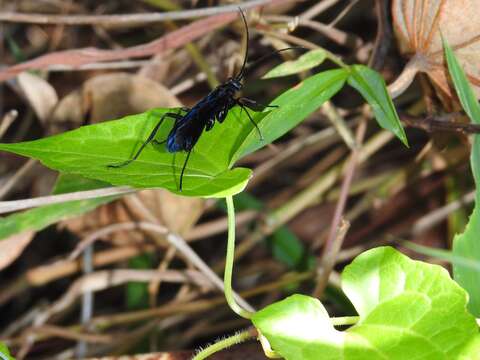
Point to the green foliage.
(408, 309)
(371, 85)
(4, 353)
(88, 150)
(287, 248)
(39, 218)
(467, 245)
(305, 62)
(137, 294)
(446, 255)
(295, 105)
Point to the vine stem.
(223, 344)
(227, 279)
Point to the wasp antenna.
(266, 56)
(242, 70)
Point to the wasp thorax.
(234, 83)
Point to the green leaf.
(407, 310)
(68, 183)
(462, 86)
(88, 150)
(371, 85)
(446, 255)
(4, 353)
(294, 106)
(468, 244)
(287, 248)
(39, 218)
(305, 62)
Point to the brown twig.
(334, 240)
(7, 120)
(334, 34)
(60, 332)
(101, 280)
(129, 19)
(433, 218)
(171, 40)
(384, 35)
(9, 206)
(100, 233)
(439, 123)
(329, 257)
(13, 181)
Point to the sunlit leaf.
(4, 353)
(407, 310)
(294, 105)
(89, 150)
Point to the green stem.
(223, 344)
(344, 320)
(227, 279)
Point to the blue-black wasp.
(191, 122)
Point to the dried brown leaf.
(110, 96)
(13, 246)
(419, 25)
(39, 93)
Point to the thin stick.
(7, 120)
(428, 221)
(129, 19)
(182, 247)
(14, 179)
(337, 231)
(9, 206)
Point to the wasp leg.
(156, 142)
(183, 169)
(176, 117)
(149, 139)
(244, 107)
(254, 105)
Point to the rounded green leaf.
(408, 310)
